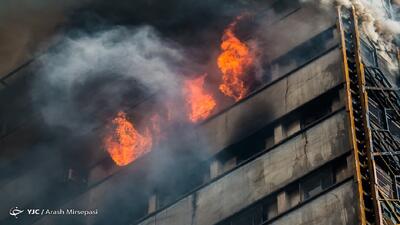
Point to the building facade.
(316, 143)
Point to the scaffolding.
(373, 108)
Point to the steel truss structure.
(373, 108)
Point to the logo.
(15, 212)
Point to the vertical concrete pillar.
(152, 204)
(278, 133)
(269, 141)
(282, 200)
(215, 168)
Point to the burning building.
(269, 112)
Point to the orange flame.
(126, 144)
(233, 62)
(199, 103)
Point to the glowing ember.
(126, 144)
(199, 103)
(233, 62)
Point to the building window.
(342, 169)
(377, 115)
(317, 110)
(300, 55)
(385, 182)
(229, 164)
(252, 145)
(393, 125)
(270, 208)
(293, 194)
(222, 164)
(291, 127)
(368, 53)
(316, 182)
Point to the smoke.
(115, 64)
(25, 25)
(373, 14)
(109, 66)
(111, 56)
(388, 28)
(88, 77)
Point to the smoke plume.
(374, 15)
(106, 64)
(112, 56)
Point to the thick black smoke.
(26, 26)
(108, 56)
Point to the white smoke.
(375, 21)
(139, 53)
(131, 54)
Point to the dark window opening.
(311, 185)
(184, 180)
(315, 111)
(245, 149)
(293, 195)
(269, 208)
(316, 182)
(385, 182)
(377, 115)
(291, 125)
(268, 137)
(369, 53)
(238, 153)
(300, 55)
(393, 124)
(265, 138)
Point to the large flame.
(200, 104)
(233, 62)
(126, 144)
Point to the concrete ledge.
(273, 102)
(334, 207)
(260, 177)
(261, 109)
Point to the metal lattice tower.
(371, 102)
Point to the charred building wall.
(280, 155)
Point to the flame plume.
(234, 61)
(126, 144)
(200, 104)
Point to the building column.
(152, 204)
(215, 168)
(282, 202)
(278, 133)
